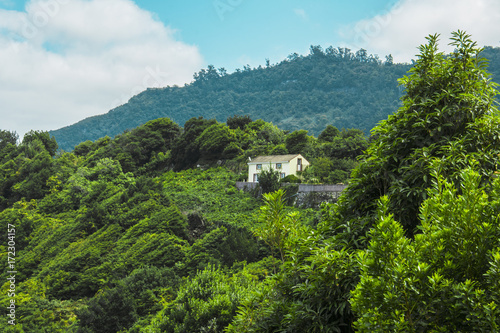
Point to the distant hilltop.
(333, 86)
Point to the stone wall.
(302, 187)
(246, 185)
(308, 195)
(314, 199)
(321, 188)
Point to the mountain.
(333, 86)
(146, 232)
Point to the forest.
(153, 207)
(333, 86)
(146, 232)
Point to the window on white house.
(282, 175)
(259, 166)
(278, 165)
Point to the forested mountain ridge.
(333, 86)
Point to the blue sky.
(64, 60)
(232, 33)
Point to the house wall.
(287, 167)
(294, 162)
(252, 169)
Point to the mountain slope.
(334, 86)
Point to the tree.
(329, 133)
(447, 113)
(322, 167)
(311, 291)
(208, 74)
(361, 55)
(84, 148)
(448, 119)
(48, 142)
(113, 310)
(269, 180)
(205, 303)
(186, 149)
(389, 60)
(278, 225)
(297, 141)
(447, 278)
(7, 137)
(316, 51)
(168, 130)
(237, 121)
(214, 140)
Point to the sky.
(65, 60)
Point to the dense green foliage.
(108, 246)
(25, 170)
(449, 113)
(162, 145)
(206, 303)
(333, 86)
(146, 232)
(118, 233)
(269, 180)
(446, 278)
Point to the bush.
(269, 180)
(206, 303)
(449, 112)
(291, 179)
(447, 278)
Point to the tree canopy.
(449, 113)
(328, 86)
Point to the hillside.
(335, 86)
(105, 233)
(146, 232)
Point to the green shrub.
(269, 180)
(206, 303)
(447, 278)
(291, 179)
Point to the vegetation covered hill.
(147, 233)
(104, 236)
(332, 86)
(413, 244)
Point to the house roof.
(273, 159)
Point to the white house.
(285, 164)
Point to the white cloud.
(400, 29)
(301, 13)
(64, 60)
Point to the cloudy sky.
(65, 60)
